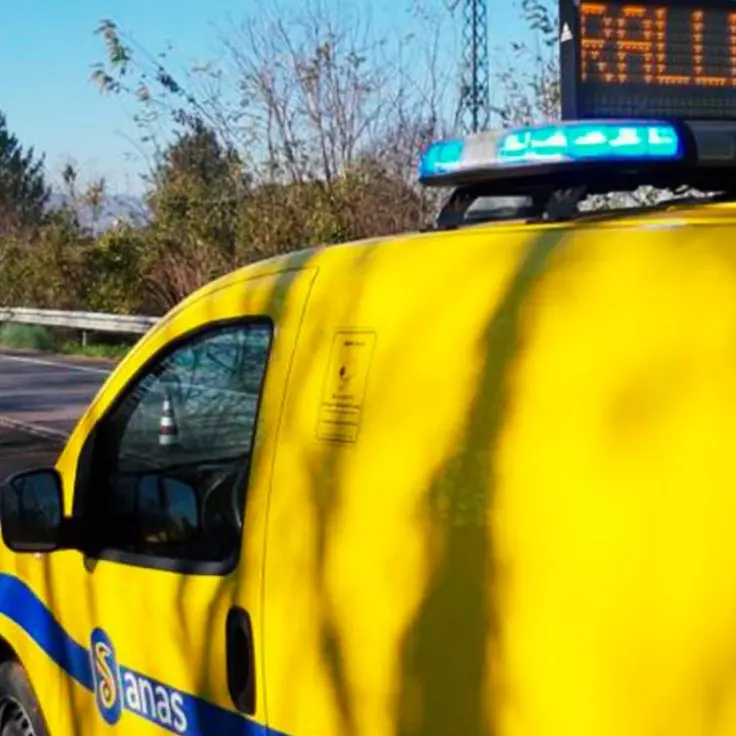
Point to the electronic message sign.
(673, 59)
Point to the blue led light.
(441, 157)
(566, 142)
(591, 141)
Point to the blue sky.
(47, 48)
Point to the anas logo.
(118, 688)
(107, 677)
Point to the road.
(48, 392)
(20, 450)
(45, 394)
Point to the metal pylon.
(475, 99)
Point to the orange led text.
(629, 43)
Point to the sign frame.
(570, 51)
(569, 42)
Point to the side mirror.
(167, 510)
(32, 511)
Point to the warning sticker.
(344, 389)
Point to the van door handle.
(241, 660)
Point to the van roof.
(515, 162)
(674, 214)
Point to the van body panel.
(492, 493)
(164, 627)
(531, 532)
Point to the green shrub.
(35, 337)
(109, 352)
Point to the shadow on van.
(457, 606)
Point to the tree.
(197, 191)
(325, 119)
(196, 155)
(303, 96)
(23, 190)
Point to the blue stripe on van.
(21, 605)
(200, 717)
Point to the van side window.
(169, 465)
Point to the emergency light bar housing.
(590, 152)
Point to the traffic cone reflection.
(168, 432)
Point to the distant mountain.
(116, 209)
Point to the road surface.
(45, 391)
(45, 395)
(20, 450)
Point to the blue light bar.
(583, 141)
(441, 158)
(565, 143)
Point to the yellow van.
(476, 480)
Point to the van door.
(171, 471)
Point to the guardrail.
(123, 324)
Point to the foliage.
(529, 75)
(23, 190)
(104, 351)
(111, 265)
(19, 337)
(306, 133)
(319, 144)
(37, 337)
(300, 96)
